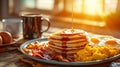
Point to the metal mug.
(32, 25)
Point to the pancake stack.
(67, 42)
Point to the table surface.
(11, 58)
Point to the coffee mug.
(32, 25)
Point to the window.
(38, 4)
(89, 7)
(45, 4)
(82, 9)
(28, 3)
(92, 7)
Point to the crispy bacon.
(41, 51)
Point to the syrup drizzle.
(72, 15)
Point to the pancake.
(67, 48)
(64, 51)
(59, 37)
(67, 42)
(68, 45)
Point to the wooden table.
(12, 57)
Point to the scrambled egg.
(90, 53)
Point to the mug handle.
(48, 21)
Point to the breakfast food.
(111, 41)
(95, 40)
(67, 42)
(74, 45)
(99, 48)
(90, 53)
(6, 37)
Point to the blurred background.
(90, 15)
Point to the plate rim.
(63, 63)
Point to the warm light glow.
(77, 6)
(111, 6)
(93, 7)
